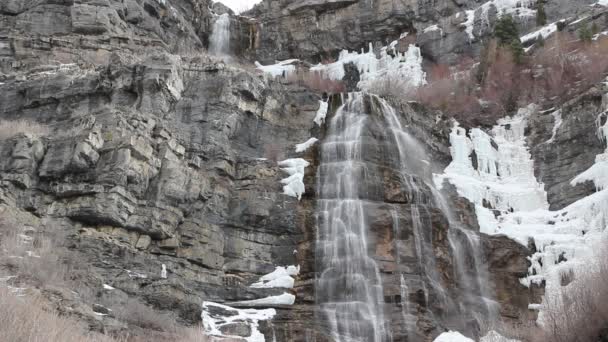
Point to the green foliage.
(541, 15)
(585, 34)
(508, 35)
(595, 29)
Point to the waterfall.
(219, 42)
(366, 141)
(349, 289)
(465, 244)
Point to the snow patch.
(543, 32)
(321, 113)
(215, 316)
(557, 118)
(294, 184)
(452, 336)
(283, 299)
(281, 277)
(108, 287)
(283, 68)
(305, 146)
(493, 336)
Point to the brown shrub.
(25, 319)
(9, 129)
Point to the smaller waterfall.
(219, 43)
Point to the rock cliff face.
(157, 156)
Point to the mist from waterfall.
(219, 42)
(349, 289)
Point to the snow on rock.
(519, 8)
(543, 32)
(404, 66)
(163, 271)
(281, 277)
(283, 68)
(493, 336)
(601, 3)
(108, 287)
(452, 336)
(305, 146)
(469, 25)
(557, 117)
(283, 299)
(215, 316)
(321, 113)
(504, 183)
(294, 184)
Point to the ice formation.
(281, 277)
(321, 113)
(306, 145)
(509, 200)
(452, 336)
(404, 66)
(163, 272)
(294, 184)
(215, 316)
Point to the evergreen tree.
(595, 29)
(585, 34)
(541, 15)
(508, 36)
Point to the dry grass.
(9, 129)
(141, 315)
(25, 319)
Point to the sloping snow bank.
(282, 68)
(283, 299)
(504, 181)
(306, 145)
(281, 277)
(294, 184)
(215, 316)
(452, 336)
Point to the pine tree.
(541, 15)
(585, 34)
(508, 35)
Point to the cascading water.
(219, 42)
(349, 289)
(366, 140)
(465, 245)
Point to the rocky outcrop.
(158, 157)
(564, 143)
